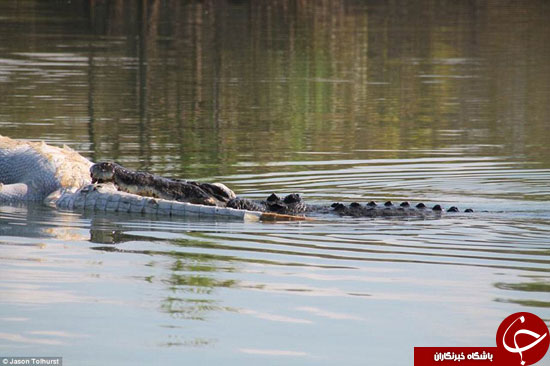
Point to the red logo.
(524, 337)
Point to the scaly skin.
(105, 197)
(149, 185)
(31, 171)
(146, 184)
(293, 205)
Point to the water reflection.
(36, 221)
(199, 84)
(337, 100)
(540, 285)
(175, 274)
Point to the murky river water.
(346, 101)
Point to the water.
(339, 101)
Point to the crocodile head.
(102, 172)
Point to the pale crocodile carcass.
(62, 178)
(30, 171)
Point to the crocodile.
(62, 178)
(150, 185)
(147, 184)
(293, 204)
